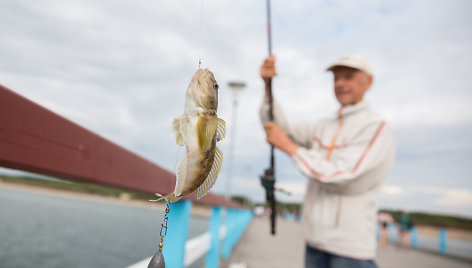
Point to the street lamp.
(236, 86)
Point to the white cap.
(353, 61)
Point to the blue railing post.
(393, 233)
(377, 232)
(442, 240)
(177, 232)
(213, 256)
(230, 225)
(236, 223)
(414, 237)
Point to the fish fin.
(170, 198)
(212, 176)
(181, 174)
(221, 129)
(206, 126)
(176, 125)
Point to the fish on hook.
(198, 129)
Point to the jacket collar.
(352, 109)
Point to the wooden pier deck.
(258, 249)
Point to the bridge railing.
(223, 234)
(434, 239)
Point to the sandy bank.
(196, 208)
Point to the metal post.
(414, 237)
(213, 256)
(231, 224)
(236, 223)
(442, 240)
(236, 87)
(393, 233)
(177, 233)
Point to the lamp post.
(236, 86)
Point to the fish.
(198, 129)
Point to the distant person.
(346, 158)
(405, 227)
(384, 219)
(258, 211)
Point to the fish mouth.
(200, 75)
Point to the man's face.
(350, 85)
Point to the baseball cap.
(353, 61)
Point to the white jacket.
(346, 158)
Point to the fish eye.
(216, 86)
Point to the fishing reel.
(268, 182)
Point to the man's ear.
(368, 80)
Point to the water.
(47, 230)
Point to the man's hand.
(268, 68)
(268, 72)
(277, 138)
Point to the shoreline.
(197, 210)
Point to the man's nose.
(339, 85)
(339, 82)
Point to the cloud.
(445, 200)
(121, 69)
(451, 197)
(451, 111)
(392, 190)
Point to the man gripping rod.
(345, 157)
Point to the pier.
(257, 248)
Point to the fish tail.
(169, 198)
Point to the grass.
(77, 187)
(421, 218)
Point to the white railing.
(195, 248)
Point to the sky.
(121, 69)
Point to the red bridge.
(35, 139)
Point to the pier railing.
(436, 239)
(35, 139)
(224, 232)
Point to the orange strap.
(335, 136)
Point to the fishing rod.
(268, 179)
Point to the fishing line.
(199, 42)
(157, 261)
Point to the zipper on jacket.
(335, 136)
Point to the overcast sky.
(121, 69)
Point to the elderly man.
(346, 158)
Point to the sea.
(42, 229)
